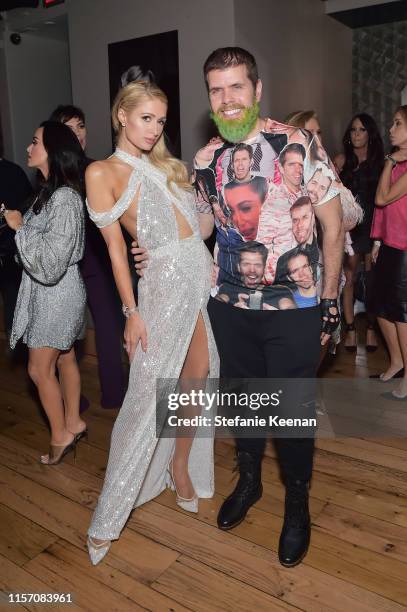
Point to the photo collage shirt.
(263, 193)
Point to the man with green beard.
(263, 343)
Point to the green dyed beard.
(236, 130)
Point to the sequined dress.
(50, 309)
(173, 291)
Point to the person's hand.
(134, 332)
(399, 156)
(140, 256)
(270, 125)
(330, 318)
(269, 307)
(374, 252)
(13, 218)
(243, 299)
(205, 155)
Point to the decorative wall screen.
(379, 71)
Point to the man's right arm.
(205, 155)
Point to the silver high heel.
(188, 504)
(97, 551)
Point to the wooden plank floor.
(168, 559)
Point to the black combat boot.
(247, 491)
(295, 535)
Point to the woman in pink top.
(390, 227)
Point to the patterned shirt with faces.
(263, 193)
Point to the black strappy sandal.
(371, 348)
(350, 327)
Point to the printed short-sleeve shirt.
(263, 193)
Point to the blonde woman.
(167, 335)
(307, 119)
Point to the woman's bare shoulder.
(99, 169)
(110, 171)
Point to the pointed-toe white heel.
(189, 504)
(97, 551)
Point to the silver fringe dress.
(50, 309)
(172, 293)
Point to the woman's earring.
(123, 125)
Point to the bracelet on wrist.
(129, 311)
(391, 159)
(377, 243)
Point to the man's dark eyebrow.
(243, 202)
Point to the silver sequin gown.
(50, 309)
(173, 291)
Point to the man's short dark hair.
(302, 201)
(294, 147)
(320, 171)
(254, 247)
(228, 57)
(257, 184)
(296, 253)
(66, 112)
(242, 147)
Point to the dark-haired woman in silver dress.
(50, 310)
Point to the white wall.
(93, 24)
(304, 58)
(37, 80)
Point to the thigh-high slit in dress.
(173, 292)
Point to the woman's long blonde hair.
(128, 98)
(300, 118)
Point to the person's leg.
(70, 383)
(41, 369)
(292, 351)
(101, 294)
(389, 331)
(401, 329)
(237, 337)
(371, 338)
(194, 373)
(351, 263)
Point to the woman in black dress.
(359, 168)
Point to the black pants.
(264, 344)
(109, 326)
(10, 278)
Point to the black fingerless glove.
(330, 315)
